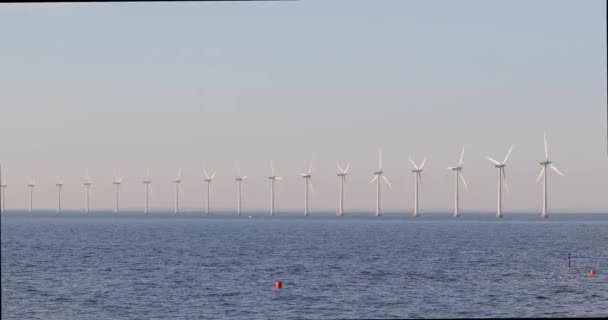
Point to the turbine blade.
(464, 182)
(374, 178)
(415, 166)
(179, 174)
(496, 162)
(555, 169)
(422, 165)
(508, 154)
(272, 167)
(280, 178)
(387, 182)
(380, 160)
(504, 176)
(461, 157)
(212, 176)
(347, 167)
(205, 173)
(339, 168)
(150, 187)
(310, 168)
(419, 178)
(540, 174)
(546, 149)
(312, 189)
(179, 187)
(244, 177)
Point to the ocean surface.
(206, 267)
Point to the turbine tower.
(342, 177)
(208, 180)
(147, 188)
(178, 189)
(306, 175)
(272, 179)
(543, 173)
(239, 180)
(87, 186)
(117, 181)
(457, 173)
(31, 184)
(501, 174)
(377, 175)
(417, 182)
(3, 186)
(59, 185)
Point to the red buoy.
(278, 284)
(591, 272)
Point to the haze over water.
(191, 267)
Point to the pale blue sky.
(169, 85)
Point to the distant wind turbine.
(457, 173)
(306, 175)
(208, 180)
(147, 188)
(501, 174)
(178, 189)
(31, 184)
(342, 177)
(239, 180)
(543, 173)
(87, 186)
(417, 182)
(377, 175)
(59, 185)
(272, 179)
(117, 181)
(3, 186)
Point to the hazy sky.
(124, 87)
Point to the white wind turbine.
(3, 186)
(342, 177)
(377, 175)
(501, 174)
(306, 175)
(59, 185)
(87, 186)
(31, 184)
(147, 188)
(417, 182)
(457, 173)
(117, 181)
(178, 189)
(543, 173)
(208, 180)
(239, 180)
(272, 179)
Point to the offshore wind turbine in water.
(272, 179)
(377, 177)
(458, 176)
(342, 177)
(87, 191)
(3, 185)
(147, 188)
(208, 179)
(306, 175)
(31, 184)
(178, 189)
(543, 174)
(117, 181)
(417, 183)
(501, 174)
(59, 185)
(239, 184)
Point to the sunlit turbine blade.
(310, 168)
(150, 187)
(387, 182)
(212, 175)
(415, 166)
(380, 160)
(244, 177)
(508, 154)
(496, 162)
(280, 178)
(179, 187)
(461, 157)
(423, 163)
(310, 185)
(419, 178)
(555, 169)
(339, 168)
(374, 178)
(205, 173)
(540, 174)
(347, 167)
(179, 174)
(272, 167)
(464, 182)
(546, 149)
(504, 176)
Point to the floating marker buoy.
(278, 284)
(591, 272)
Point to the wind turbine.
(208, 180)
(457, 173)
(543, 173)
(178, 189)
(342, 177)
(377, 175)
(239, 180)
(417, 182)
(306, 175)
(117, 181)
(147, 187)
(31, 184)
(272, 179)
(59, 185)
(501, 174)
(3, 186)
(87, 185)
